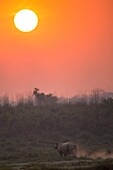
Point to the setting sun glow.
(60, 46)
(25, 20)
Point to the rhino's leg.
(74, 153)
(61, 154)
(65, 155)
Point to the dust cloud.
(102, 154)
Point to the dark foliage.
(25, 127)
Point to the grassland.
(28, 135)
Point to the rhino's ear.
(56, 145)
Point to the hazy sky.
(71, 50)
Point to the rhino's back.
(67, 147)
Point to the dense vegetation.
(26, 128)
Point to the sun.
(26, 20)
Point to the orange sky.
(71, 50)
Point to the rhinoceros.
(68, 148)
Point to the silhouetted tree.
(43, 99)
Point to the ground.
(68, 163)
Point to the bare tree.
(95, 96)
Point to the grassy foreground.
(79, 164)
